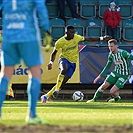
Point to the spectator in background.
(72, 6)
(112, 19)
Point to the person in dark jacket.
(112, 20)
(72, 7)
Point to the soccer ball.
(78, 96)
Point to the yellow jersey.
(69, 47)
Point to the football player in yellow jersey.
(68, 58)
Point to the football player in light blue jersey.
(21, 40)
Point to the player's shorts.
(30, 52)
(71, 66)
(117, 79)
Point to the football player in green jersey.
(119, 76)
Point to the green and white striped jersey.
(122, 60)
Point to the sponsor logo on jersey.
(118, 62)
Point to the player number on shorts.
(14, 4)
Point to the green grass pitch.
(70, 113)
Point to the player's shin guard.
(33, 90)
(59, 81)
(3, 89)
(98, 93)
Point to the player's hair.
(69, 27)
(112, 41)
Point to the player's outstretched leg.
(96, 95)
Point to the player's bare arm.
(96, 79)
(102, 38)
(106, 68)
(52, 58)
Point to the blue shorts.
(71, 66)
(30, 52)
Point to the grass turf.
(69, 113)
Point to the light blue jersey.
(17, 18)
(20, 31)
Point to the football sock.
(3, 89)
(51, 92)
(59, 81)
(117, 98)
(33, 90)
(98, 93)
(57, 86)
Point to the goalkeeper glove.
(47, 40)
